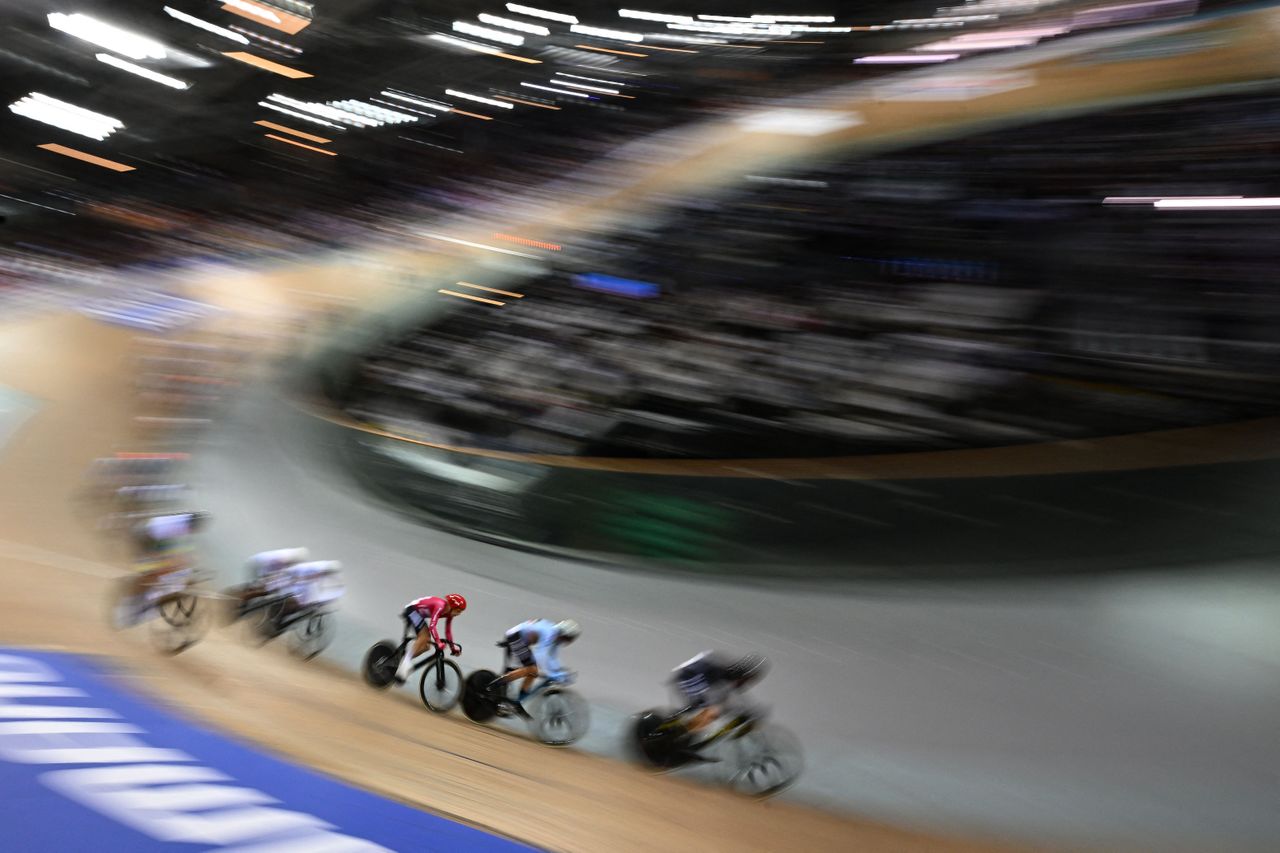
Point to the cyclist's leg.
(421, 642)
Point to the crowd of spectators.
(967, 294)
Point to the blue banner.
(84, 764)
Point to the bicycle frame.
(434, 659)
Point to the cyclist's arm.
(448, 629)
(546, 655)
(431, 626)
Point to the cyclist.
(303, 588)
(535, 646)
(164, 552)
(708, 683)
(427, 611)
(268, 573)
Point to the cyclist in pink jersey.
(427, 611)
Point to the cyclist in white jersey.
(535, 646)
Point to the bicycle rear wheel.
(380, 664)
(441, 684)
(182, 623)
(476, 703)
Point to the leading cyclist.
(427, 611)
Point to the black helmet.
(747, 668)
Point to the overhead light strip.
(533, 12)
(470, 297)
(268, 65)
(478, 99)
(156, 76)
(286, 129)
(77, 154)
(301, 145)
(303, 116)
(205, 25)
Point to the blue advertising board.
(85, 764)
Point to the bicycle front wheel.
(441, 685)
(560, 717)
(764, 761)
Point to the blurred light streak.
(276, 19)
(463, 43)
(124, 65)
(518, 58)
(488, 289)
(469, 296)
(1152, 199)
(534, 12)
(528, 103)
(51, 111)
(1218, 203)
(609, 50)
(669, 49)
(592, 79)
(301, 145)
(105, 35)
(653, 16)
(526, 241)
(519, 26)
(299, 133)
(37, 204)
(265, 40)
(472, 115)
(469, 244)
(799, 122)
(487, 33)
(586, 86)
(478, 99)
(402, 107)
(253, 9)
(601, 32)
(413, 99)
(557, 91)
(268, 65)
(905, 58)
(205, 25)
(86, 157)
(302, 116)
(431, 144)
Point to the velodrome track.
(1087, 711)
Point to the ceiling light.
(380, 113)
(268, 65)
(66, 116)
(486, 33)
(490, 101)
(557, 91)
(469, 45)
(121, 41)
(1218, 203)
(205, 25)
(534, 29)
(541, 13)
(577, 85)
(653, 16)
(408, 99)
(85, 157)
(286, 129)
(302, 116)
(592, 79)
(125, 65)
(905, 58)
(301, 144)
(325, 111)
(253, 9)
(618, 35)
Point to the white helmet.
(567, 630)
(297, 555)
